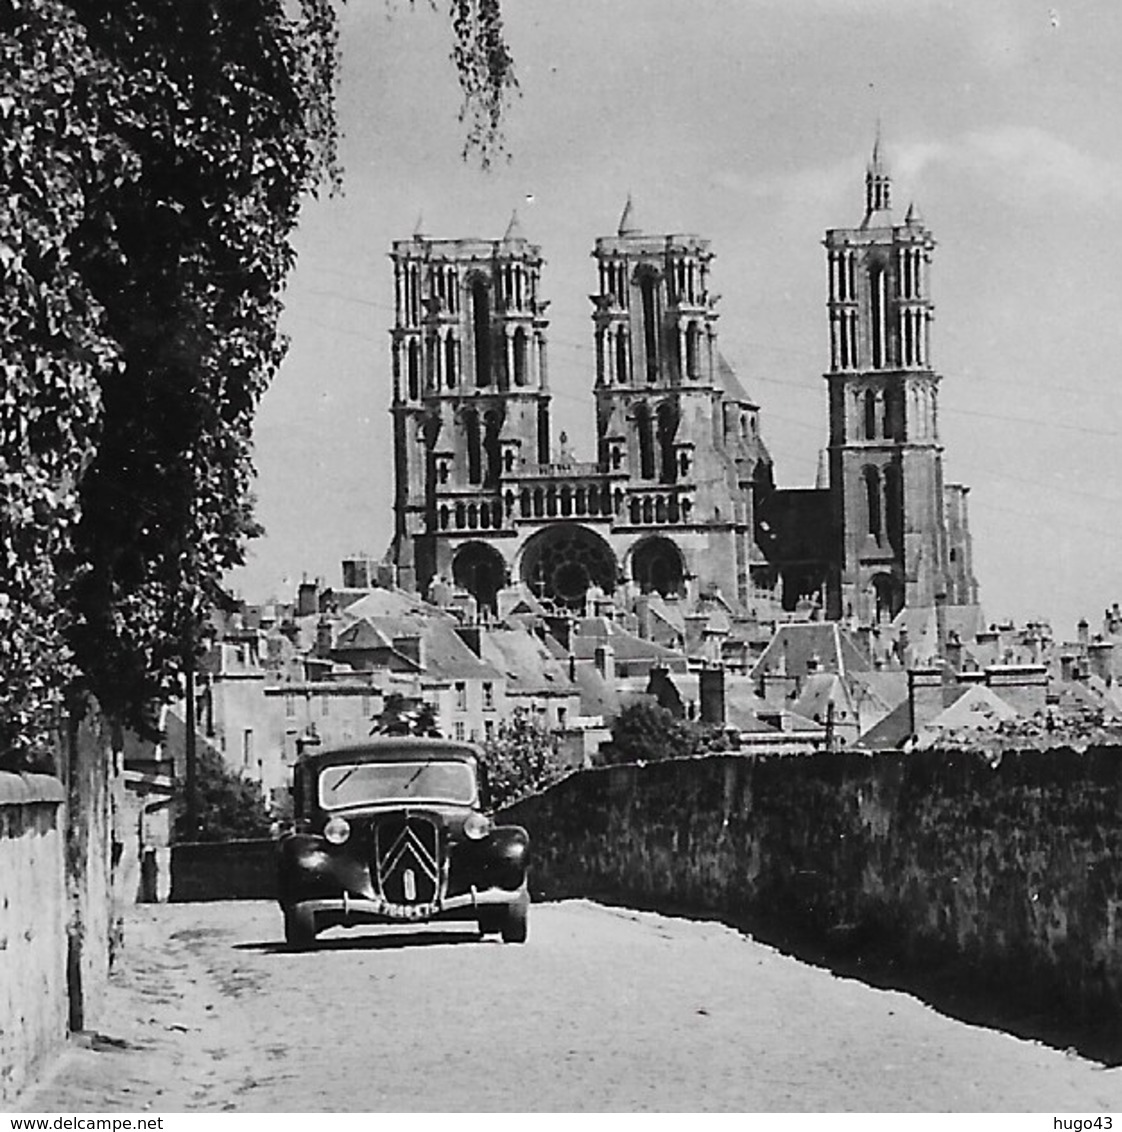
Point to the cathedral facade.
(681, 499)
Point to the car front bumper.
(346, 909)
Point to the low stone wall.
(1009, 868)
(224, 870)
(33, 912)
(95, 859)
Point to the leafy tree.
(154, 154)
(403, 716)
(647, 732)
(522, 758)
(229, 805)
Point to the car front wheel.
(299, 927)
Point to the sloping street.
(604, 1009)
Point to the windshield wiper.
(413, 778)
(335, 785)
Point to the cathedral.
(681, 499)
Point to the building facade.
(680, 500)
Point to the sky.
(747, 122)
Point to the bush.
(646, 732)
(522, 758)
(230, 806)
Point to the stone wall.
(33, 1005)
(95, 859)
(1009, 869)
(68, 861)
(224, 870)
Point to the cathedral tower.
(672, 419)
(885, 457)
(471, 395)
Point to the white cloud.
(1022, 166)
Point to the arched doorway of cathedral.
(563, 562)
(657, 567)
(888, 596)
(479, 569)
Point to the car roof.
(390, 749)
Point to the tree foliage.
(648, 732)
(486, 72)
(154, 154)
(230, 806)
(403, 716)
(522, 758)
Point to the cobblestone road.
(602, 1010)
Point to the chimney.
(307, 598)
(471, 635)
(925, 696)
(605, 659)
(712, 688)
(1067, 667)
(1083, 631)
(413, 647)
(323, 637)
(953, 651)
(1100, 656)
(356, 573)
(643, 615)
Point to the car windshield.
(356, 783)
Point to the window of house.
(458, 730)
(247, 747)
(488, 696)
(562, 716)
(290, 705)
(461, 696)
(325, 704)
(488, 729)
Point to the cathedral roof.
(730, 383)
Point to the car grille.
(407, 860)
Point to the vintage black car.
(393, 830)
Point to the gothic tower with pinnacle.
(485, 504)
(470, 395)
(678, 497)
(888, 498)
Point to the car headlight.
(476, 826)
(337, 830)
